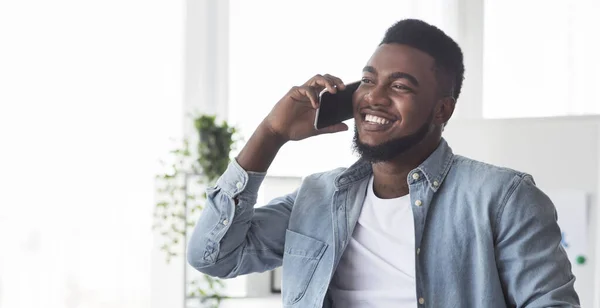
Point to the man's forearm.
(258, 154)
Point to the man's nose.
(378, 96)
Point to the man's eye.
(366, 80)
(401, 87)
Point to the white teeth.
(376, 119)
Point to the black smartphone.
(335, 108)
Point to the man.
(408, 225)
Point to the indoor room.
(161, 154)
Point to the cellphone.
(335, 108)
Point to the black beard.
(389, 149)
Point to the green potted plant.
(188, 170)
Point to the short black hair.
(434, 42)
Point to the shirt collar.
(434, 169)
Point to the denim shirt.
(485, 236)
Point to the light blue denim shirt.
(484, 236)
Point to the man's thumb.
(340, 127)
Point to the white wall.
(560, 153)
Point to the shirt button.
(239, 185)
(225, 222)
(421, 300)
(436, 183)
(418, 250)
(416, 176)
(418, 203)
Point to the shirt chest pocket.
(300, 259)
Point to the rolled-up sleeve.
(532, 264)
(233, 238)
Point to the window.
(540, 58)
(275, 45)
(90, 97)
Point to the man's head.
(408, 91)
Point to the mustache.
(392, 148)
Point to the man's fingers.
(311, 94)
(312, 88)
(320, 82)
(324, 83)
(336, 81)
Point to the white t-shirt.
(377, 268)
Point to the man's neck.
(390, 176)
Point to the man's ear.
(444, 110)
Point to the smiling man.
(410, 224)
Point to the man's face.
(394, 105)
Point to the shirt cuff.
(235, 180)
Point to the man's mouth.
(376, 123)
(375, 119)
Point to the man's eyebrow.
(409, 77)
(369, 69)
(395, 75)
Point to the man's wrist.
(268, 134)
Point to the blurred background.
(94, 94)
